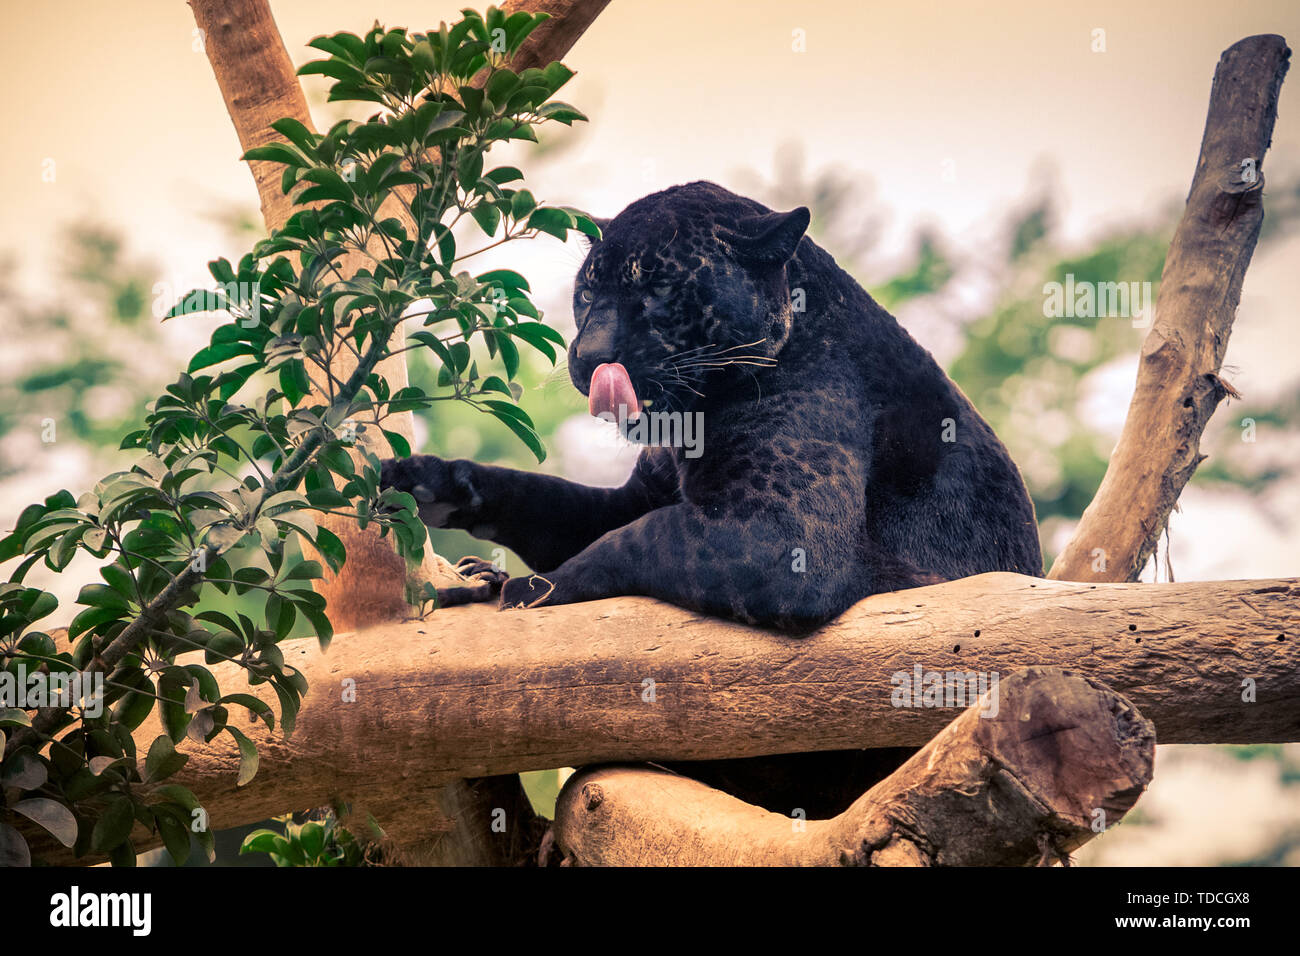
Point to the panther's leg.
(771, 570)
(772, 567)
(542, 518)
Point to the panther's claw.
(485, 580)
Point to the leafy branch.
(271, 405)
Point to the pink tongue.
(610, 388)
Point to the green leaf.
(136, 704)
(260, 841)
(331, 548)
(504, 278)
(175, 835)
(13, 717)
(277, 153)
(553, 221)
(537, 335)
(511, 418)
(296, 133)
(13, 848)
(556, 74)
(163, 760)
(101, 595)
(503, 174)
(312, 839)
(401, 447)
(247, 756)
(122, 855)
(561, 113)
(305, 570)
(509, 355)
(323, 627)
(52, 815)
(334, 185)
(92, 618)
(113, 826)
(333, 69)
(522, 203)
(488, 217)
(327, 498)
(180, 795)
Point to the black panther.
(835, 459)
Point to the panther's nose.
(595, 345)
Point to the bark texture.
(1040, 766)
(477, 692)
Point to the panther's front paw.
(485, 580)
(526, 592)
(481, 570)
(444, 491)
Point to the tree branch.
(474, 692)
(259, 86)
(1178, 384)
(1060, 758)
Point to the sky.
(947, 111)
(948, 114)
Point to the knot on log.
(1233, 198)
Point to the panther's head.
(685, 290)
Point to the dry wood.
(258, 84)
(475, 692)
(1178, 383)
(1058, 760)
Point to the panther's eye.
(585, 297)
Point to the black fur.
(838, 459)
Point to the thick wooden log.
(1044, 762)
(475, 692)
(1179, 384)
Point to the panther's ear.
(603, 224)
(769, 239)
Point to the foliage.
(372, 242)
(310, 843)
